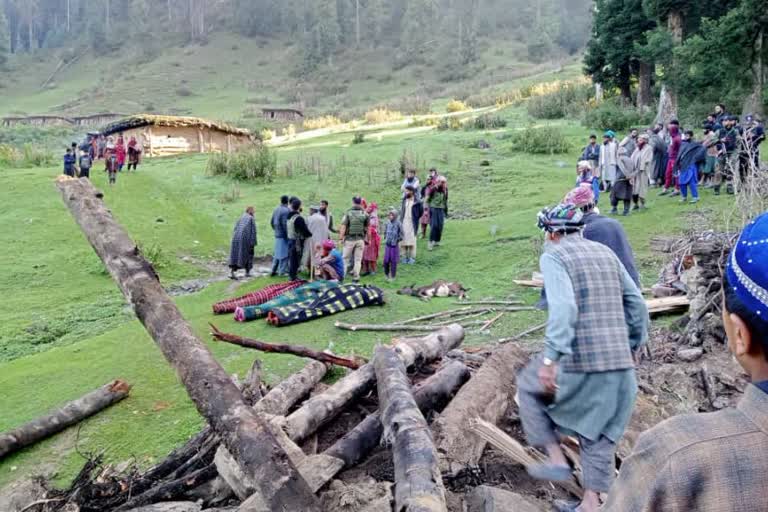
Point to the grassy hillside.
(231, 77)
(64, 329)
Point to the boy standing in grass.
(393, 235)
(110, 162)
(85, 165)
(69, 163)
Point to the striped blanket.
(335, 300)
(255, 298)
(305, 292)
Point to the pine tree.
(5, 39)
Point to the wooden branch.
(429, 395)
(486, 396)
(171, 490)
(326, 405)
(442, 314)
(491, 302)
(523, 334)
(63, 417)
(530, 283)
(386, 327)
(283, 348)
(216, 397)
(492, 321)
(418, 484)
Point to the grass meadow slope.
(64, 328)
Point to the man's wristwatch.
(547, 361)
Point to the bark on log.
(252, 384)
(487, 396)
(418, 484)
(63, 417)
(284, 348)
(323, 407)
(279, 400)
(216, 397)
(430, 395)
(171, 490)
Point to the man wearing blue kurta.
(583, 383)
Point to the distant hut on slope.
(282, 114)
(171, 135)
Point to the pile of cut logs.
(249, 456)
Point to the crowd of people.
(79, 159)
(306, 244)
(673, 159)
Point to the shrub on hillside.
(28, 156)
(254, 164)
(539, 141)
(610, 114)
(568, 99)
(382, 115)
(486, 122)
(359, 138)
(267, 134)
(456, 106)
(449, 123)
(418, 104)
(316, 123)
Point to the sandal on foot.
(549, 472)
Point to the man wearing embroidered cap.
(714, 462)
(584, 382)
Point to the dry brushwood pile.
(426, 425)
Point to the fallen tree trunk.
(283, 348)
(216, 397)
(386, 327)
(326, 405)
(429, 396)
(444, 314)
(279, 400)
(487, 396)
(63, 417)
(418, 484)
(491, 302)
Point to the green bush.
(539, 141)
(449, 123)
(610, 114)
(486, 122)
(359, 138)
(567, 100)
(28, 156)
(254, 164)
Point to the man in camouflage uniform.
(354, 237)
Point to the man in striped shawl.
(243, 244)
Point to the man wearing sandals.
(583, 384)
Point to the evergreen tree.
(5, 39)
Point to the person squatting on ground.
(393, 235)
(372, 247)
(297, 231)
(329, 262)
(714, 462)
(353, 236)
(279, 223)
(692, 156)
(608, 157)
(622, 187)
(438, 210)
(642, 160)
(410, 213)
(670, 184)
(584, 382)
(244, 241)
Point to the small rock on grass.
(690, 355)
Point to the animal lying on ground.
(439, 288)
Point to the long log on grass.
(430, 395)
(284, 348)
(443, 314)
(281, 398)
(418, 484)
(487, 396)
(216, 397)
(63, 417)
(326, 405)
(490, 302)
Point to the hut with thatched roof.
(171, 135)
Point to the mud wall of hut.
(174, 140)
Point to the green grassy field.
(64, 328)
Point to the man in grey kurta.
(243, 244)
(583, 383)
(318, 225)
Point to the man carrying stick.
(584, 382)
